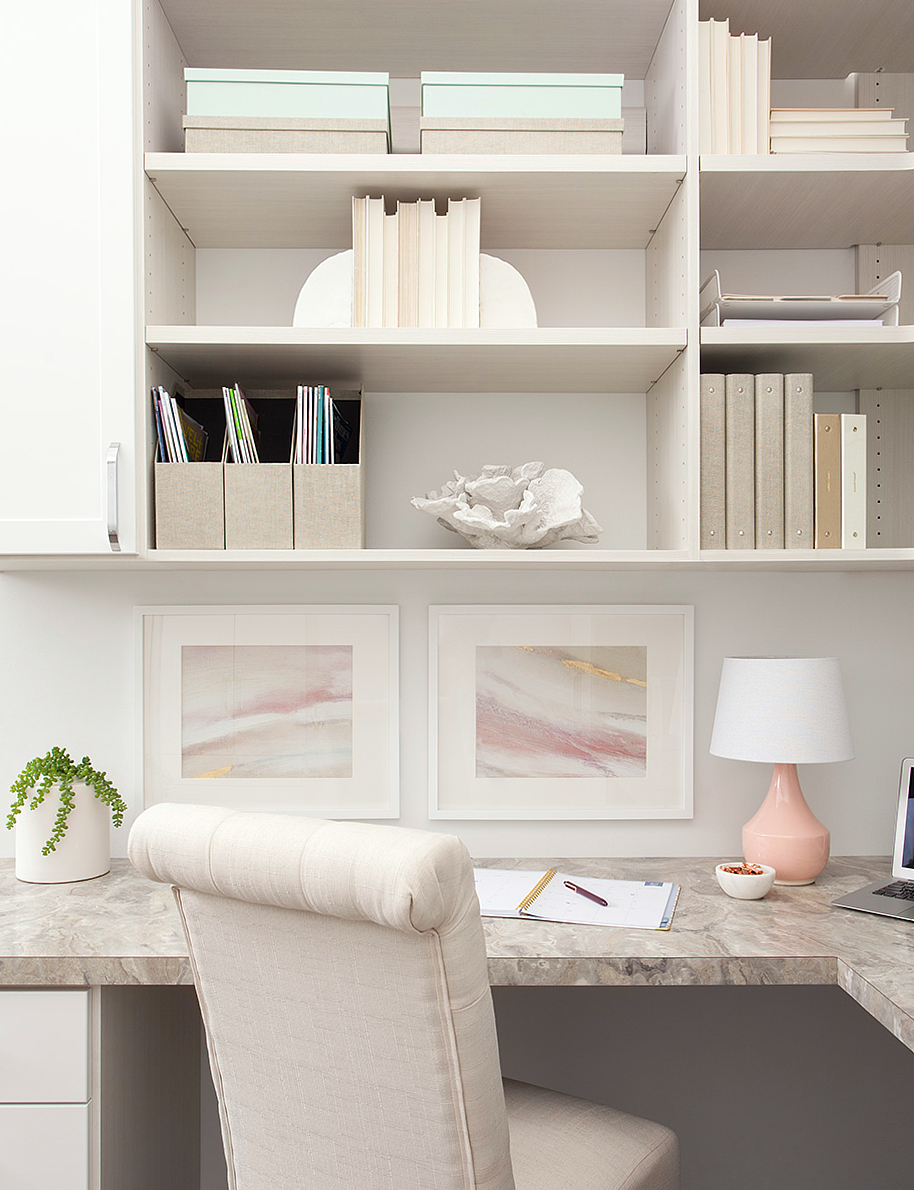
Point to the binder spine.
(740, 478)
(769, 461)
(798, 461)
(828, 480)
(713, 462)
(853, 481)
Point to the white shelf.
(626, 359)
(840, 358)
(810, 200)
(291, 200)
(746, 560)
(590, 36)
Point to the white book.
(704, 86)
(764, 94)
(375, 262)
(427, 235)
(391, 301)
(456, 261)
(826, 128)
(853, 481)
(408, 264)
(749, 91)
(472, 207)
(859, 115)
(736, 95)
(442, 283)
(720, 86)
(838, 144)
(359, 261)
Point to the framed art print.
(560, 712)
(271, 708)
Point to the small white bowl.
(745, 888)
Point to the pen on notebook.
(584, 893)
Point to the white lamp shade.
(782, 710)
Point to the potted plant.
(64, 835)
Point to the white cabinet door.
(44, 1047)
(44, 1147)
(68, 301)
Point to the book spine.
(704, 86)
(769, 461)
(828, 480)
(764, 94)
(426, 296)
(749, 89)
(720, 86)
(713, 462)
(740, 455)
(160, 432)
(359, 262)
(408, 264)
(391, 268)
(374, 267)
(471, 262)
(442, 280)
(736, 95)
(853, 481)
(456, 261)
(798, 461)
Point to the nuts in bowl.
(746, 882)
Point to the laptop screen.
(904, 833)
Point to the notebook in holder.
(545, 896)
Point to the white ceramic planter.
(82, 854)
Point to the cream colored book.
(456, 262)
(704, 86)
(442, 281)
(720, 86)
(391, 269)
(749, 91)
(360, 262)
(764, 95)
(408, 264)
(472, 209)
(736, 95)
(426, 296)
(374, 272)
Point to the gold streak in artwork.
(636, 682)
(216, 773)
(589, 668)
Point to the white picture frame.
(470, 777)
(326, 672)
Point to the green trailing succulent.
(57, 769)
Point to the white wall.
(68, 650)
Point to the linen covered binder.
(769, 461)
(740, 484)
(543, 896)
(713, 462)
(828, 480)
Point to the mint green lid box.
(323, 94)
(522, 96)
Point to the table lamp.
(784, 711)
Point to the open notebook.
(638, 904)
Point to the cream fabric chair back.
(341, 973)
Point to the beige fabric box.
(284, 134)
(489, 134)
(189, 506)
(258, 506)
(328, 506)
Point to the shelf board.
(404, 37)
(840, 358)
(746, 560)
(545, 359)
(809, 200)
(291, 200)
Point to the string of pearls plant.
(57, 769)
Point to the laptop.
(895, 897)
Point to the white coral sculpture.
(528, 507)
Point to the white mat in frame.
(560, 712)
(291, 708)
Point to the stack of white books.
(414, 267)
(837, 130)
(734, 78)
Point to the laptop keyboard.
(903, 889)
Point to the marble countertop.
(123, 929)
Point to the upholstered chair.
(341, 974)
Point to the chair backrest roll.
(341, 973)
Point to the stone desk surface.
(123, 929)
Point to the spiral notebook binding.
(536, 890)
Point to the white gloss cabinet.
(68, 325)
(44, 1146)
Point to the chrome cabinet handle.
(111, 475)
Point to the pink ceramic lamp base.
(785, 833)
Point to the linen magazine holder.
(341, 974)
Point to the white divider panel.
(171, 296)
(665, 84)
(672, 502)
(163, 83)
(667, 264)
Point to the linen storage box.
(189, 506)
(520, 113)
(286, 111)
(258, 506)
(328, 503)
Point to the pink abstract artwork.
(561, 711)
(266, 711)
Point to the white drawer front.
(44, 1047)
(44, 1147)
